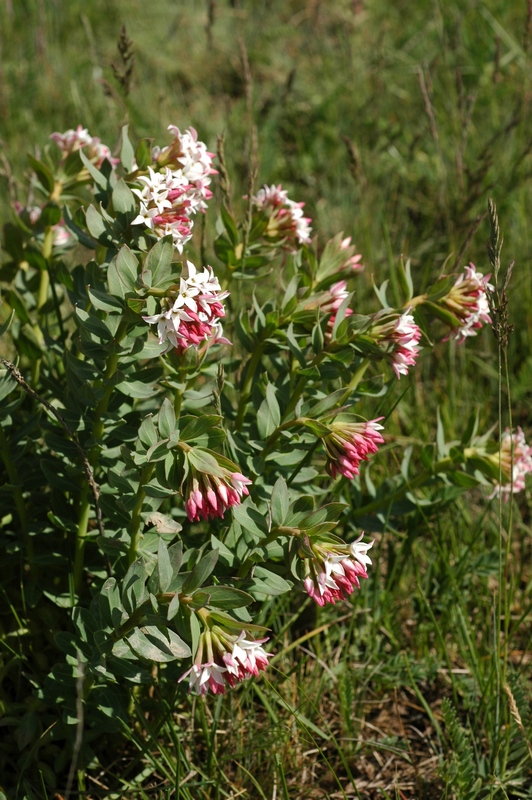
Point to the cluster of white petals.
(400, 335)
(468, 301)
(334, 573)
(192, 315)
(165, 206)
(176, 187)
(227, 667)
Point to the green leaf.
(317, 338)
(166, 420)
(159, 263)
(250, 518)
(324, 405)
(405, 280)
(50, 214)
(143, 154)
(124, 202)
(18, 305)
(147, 433)
(98, 227)
(93, 324)
(327, 513)
(43, 173)
(440, 436)
(95, 173)
(158, 451)
(164, 566)
(316, 427)
(269, 583)
(204, 461)
(127, 155)
(194, 427)
(201, 572)
(280, 502)
(104, 302)
(173, 607)
(158, 645)
(442, 314)
(81, 235)
(224, 597)
(162, 523)
(269, 413)
(122, 273)
(229, 225)
(134, 592)
(137, 389)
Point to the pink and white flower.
(205, 677)
(247, 658)
(176, 187)
(328, 302)
(165, 206)
(349, 443)
(352, 262)
(516, 468)
(334, 571)
(191, 315)
(397, 335)
(468, 301)
(80, 139)
(62, 236)
(286, 219)
(210, 494)
(232, 659)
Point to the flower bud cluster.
(80, 139)
(349, 443)
(192, 315)
(514, 466)
(229, 660)
(353, 263)
(328, 302)
(209, 494)
(62, 236)
(333, 571)
(399, 336)
(468, 302)
(176, 187)
(286, 221)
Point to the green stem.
(44, 283)
(272, 438)
(136, 517)
(502, 571)
(300, 385)
(15, 482)
(505, 587)
(245, 392)
(93, 457)
(303, 463)
(355, 380)
(81, 535)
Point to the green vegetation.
(394, 122)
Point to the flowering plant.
(181, 475)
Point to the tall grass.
(393, 122)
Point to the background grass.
(392, 695)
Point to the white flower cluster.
(193, 316)
(176, 187)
